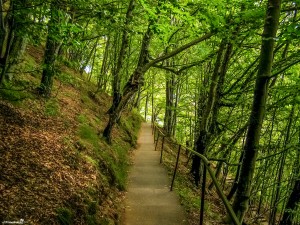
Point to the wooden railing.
(157, 134)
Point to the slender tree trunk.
(294, 198)
(153, 113)
(169, 110)
(102, 78)
(93, 65)
(205, 122)
(146, 105)
(281, 168)
(241, 201)
(226, 148)
(88, 59)
(174, 119)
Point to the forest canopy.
(219, 76)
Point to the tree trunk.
(205, 122)
(102, 79)
(131, 87)
(169, 110)
(226, 148)
(241, 201)
(294, 198)
(281, 168)
(291, 205)
(88, 59)
(6, 35)
(51, 52)
(116, 86)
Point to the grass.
(65, 216)
(190, 194)
(14, 93)
(52, 108)
(115, 162)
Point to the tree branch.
(177, 51)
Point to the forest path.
(149, 200)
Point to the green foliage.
(13, 95)
(131, 126)
(113, 164)
(65, 216)
(67, 78)
(120, 166)
(52, 107)
(89, 134)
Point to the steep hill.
(55, 166)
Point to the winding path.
(149, 200)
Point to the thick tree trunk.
(241, 201)
(129, 91)
(6, 36)
(121, 56)
(51, 52)
(49, 67)
(131, 87)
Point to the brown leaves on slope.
(36, 176)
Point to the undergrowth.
(188, 193)
(85, 177)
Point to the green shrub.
(65, 216)
(13, 94)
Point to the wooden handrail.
(206, 163)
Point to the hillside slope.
(55, 166)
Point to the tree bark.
(51, 52)
(291, 205)
(131, 87)
(241, 201)
(102, 79)
(205, 122)
(169, 109)
(122, 54)
(6, 35)
(281, 168)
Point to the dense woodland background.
(221, 77)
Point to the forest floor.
(55, 168)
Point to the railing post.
(175, 170)
(154, 131)
(162, 149)
(156, 141)
(203, 195)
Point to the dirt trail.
(149, 200)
